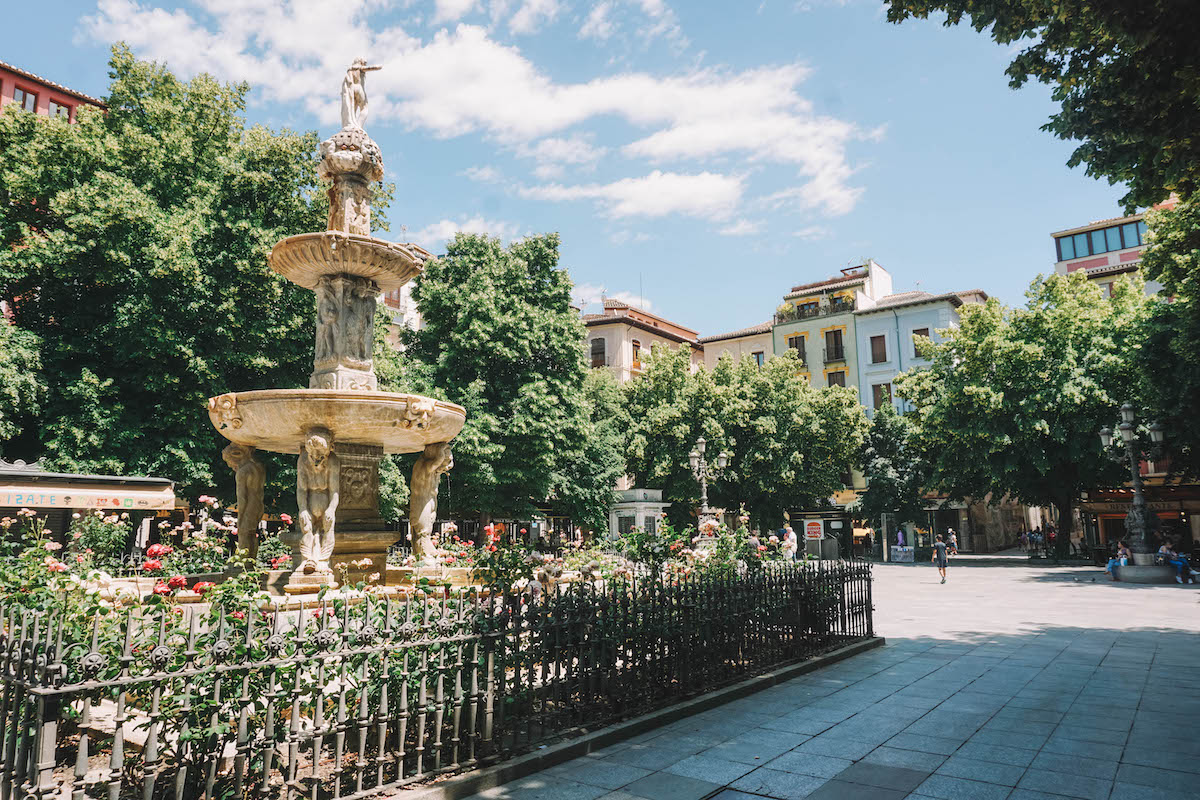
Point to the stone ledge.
(467, 784)
(1133, 574)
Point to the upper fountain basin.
(277, 420)
(305, 258)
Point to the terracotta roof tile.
(762, 327)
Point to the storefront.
(1175, 510)
(56, 495)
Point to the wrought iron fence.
(344, 700)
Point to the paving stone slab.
(666, 786)
(1069, 785)
(803, 763)
(774, 783)
(841, 790)
(598, 772)
(958, 766)
(912, 759)
(884, 776)
(706, 768)
(924, 744)
(950, 788)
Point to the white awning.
(116, 498)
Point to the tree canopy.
(133, 245)
(789, 443)
(1169, 360)
(1014, 399)
(895, 470)
(1126, 74)
(502, 340)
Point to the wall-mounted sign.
(813, 529)
(835, 523)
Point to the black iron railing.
(348, 699)
(835, 354)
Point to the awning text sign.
(14, 496)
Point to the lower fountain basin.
(276, 420)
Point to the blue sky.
(707, 155)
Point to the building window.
(59, 110)
(836, 379)
(599, 355)
(881, 393)
(1103, 240)
(797, 343)
(834, 349)
(918, 332)
(758, 357)
(24, 99)
(637, 353)
(651, 525)
(878, 349)
(625, 524)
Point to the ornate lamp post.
(1135, 520)
(703, 472)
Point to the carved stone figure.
(250, 476)
(434, 462)
(318, 478)
(328, 327)
(354, 94)
(361, 323)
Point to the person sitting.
(1120, 558)
(1179, 562)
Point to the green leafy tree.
(21, 385)
(895, 470)
(133, 245)
(1014, 398)
(669, 408)
(502, 340)
(790, 443)
(590, 475)
(1169, 360)
(1127, 76)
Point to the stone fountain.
(341, 426)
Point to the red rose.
(202, 587)
(524, 531)
(161, 588)
(177, 582)
(151, 565)
(239, 615)
(159, 550)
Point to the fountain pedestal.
(341, 426)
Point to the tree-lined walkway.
(1026, 684)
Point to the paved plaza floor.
(1023, 683)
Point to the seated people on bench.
(1120, 558)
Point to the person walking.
(939, 556)
(953, 542)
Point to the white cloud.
(812, 233)
(598, 25)
(484, 174)
(532, 15)
(632, 299)
(453, 10)
(438, 233)
(591, 295)
(464, 82)
(706, 195)
(553, 153)
(663, 22)
(629, 237)
(742, 227)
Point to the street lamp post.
(1135, 521)
(703, 471)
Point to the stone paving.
(1020, 683)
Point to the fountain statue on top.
(341, 426)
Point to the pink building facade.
(35, 93)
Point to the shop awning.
(123, 498)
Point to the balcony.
(835, 354)
(790, 313)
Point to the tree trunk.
(1066, 525)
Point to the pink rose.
(177, 582)
(162, 589)
(286, 518)
(151, 565)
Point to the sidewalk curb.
(471, 783)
